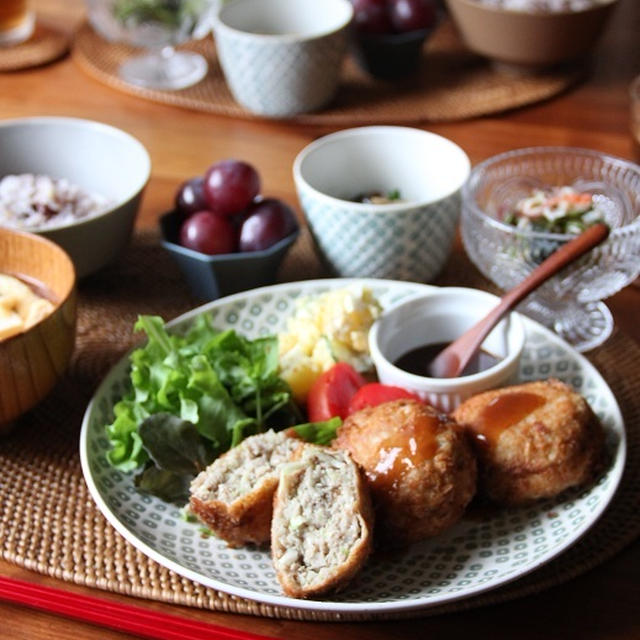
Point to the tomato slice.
(332, 391)
(375, 393)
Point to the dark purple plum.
(371, 16)
(208, 232)
(190, 196)
(412, 15)
(266, 223)
(230, 186)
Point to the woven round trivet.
(453, 84)
(45, 45)
(49, 524)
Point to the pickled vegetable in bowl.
(532, 204)
(379, 197)
(556, 210)
(569, 303)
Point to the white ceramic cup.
(408, 240)
(282, 57)
(438, 317)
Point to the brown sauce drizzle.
(503, 411)
(404, 449)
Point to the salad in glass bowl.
(520, 206)
(555, 210)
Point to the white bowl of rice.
(76, 182)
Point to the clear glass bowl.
(156, 25)
(569, 303)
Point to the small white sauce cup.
(443, 316)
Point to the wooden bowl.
(32, 362)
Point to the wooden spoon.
(452, 360)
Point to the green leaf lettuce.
(222, 383)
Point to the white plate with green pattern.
(474, 556)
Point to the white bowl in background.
(408, 240)
(282, 57)
(438, 317)
(97, 157)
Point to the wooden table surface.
(600, 604)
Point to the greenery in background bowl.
(172, 13)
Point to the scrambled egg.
(20, 307)
(325, 329)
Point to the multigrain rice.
(29, 201)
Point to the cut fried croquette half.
(233, 496)
(322, 522)
(533, 440)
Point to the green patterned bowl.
(409, 239)
(483, 551)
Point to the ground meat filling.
(239, 471)
(318, 526)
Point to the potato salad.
(326, 329)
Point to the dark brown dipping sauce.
(502, 412)
(417, 360)
(405, 449)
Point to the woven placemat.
(453, 84)
(49, 523)
(45, 45)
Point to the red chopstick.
(115, 615)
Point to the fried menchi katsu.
(322, 522)
(233, 496)
(533, 440)
(419, 464)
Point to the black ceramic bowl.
(390, 56)
(212, 277)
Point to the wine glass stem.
(163, 62)
(164, 68)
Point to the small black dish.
(390, 56)
(211, 277)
